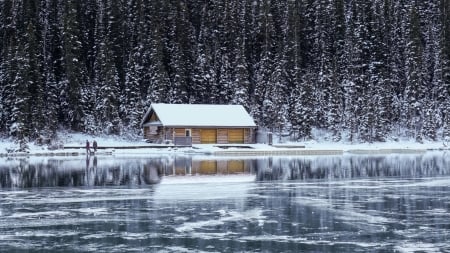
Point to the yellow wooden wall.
(208, 135)
(236, 135)
(213, 135)
(219, 166)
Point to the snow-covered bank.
(114, 145)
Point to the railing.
(183, 141)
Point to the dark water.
(394, 203)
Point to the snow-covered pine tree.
(204, 75)
(19, 119)
(131, 103)
(220, 88)
(378, 96)
(158, 77)
(301, 113)
(414, 91)
(444, 8)
(7, 40)
(51, 62)
(74, 71)
(240, 77)
(107, 79)
(444, 11)
(181, 39)
(338, 72)
(275, 104)
(265, 64)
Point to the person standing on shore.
(94, 145)
(88, 148)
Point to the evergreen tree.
(107, 78)
(444, 62)
(264, 67)
(204, 75)
(74, 75)
(51, 64)
(19, 118)
(301, 108)
(361, 70)
(180, 62)
(414, 91)
(239, 73)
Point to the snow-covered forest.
(361, 70)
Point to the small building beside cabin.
(186, 124)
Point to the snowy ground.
(7, 146)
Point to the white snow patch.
(92, 211)
(39, 214)
(249, 215)
(409, 247)
(197, 190)
(8, 145)
(208, 179)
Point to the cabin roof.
(200, 115)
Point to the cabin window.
(188, 132)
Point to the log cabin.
(187, 124)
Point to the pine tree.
(360, 70)
(74, 75)
(181, 58)
(337, 67)
(264, 66)
(19, 118)
(236, 41)
(204, 75)
(301, 108)
(34, 77)
(51, 54)
(6, 57)
(275, 104)
(414, 91)
(444, 62)
(107, 79)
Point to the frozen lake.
(392, 203)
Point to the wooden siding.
(152, 135)
(236, 166)
(196, 136)
(204, 167)
(249, 135)
(202, 135)
(208, 167)
(236, 135)
(169, 134)
(222, 136)
(180, 132)
(222, 167)
(208, 135)
(146, 132)
(153, 117)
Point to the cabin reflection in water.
(23, 173)
(49, 172)
(202, 166)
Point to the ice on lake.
(391, 203)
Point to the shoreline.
(72, 144)
(221, 150)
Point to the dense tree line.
(363, 70)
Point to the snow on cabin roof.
(201, 115)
